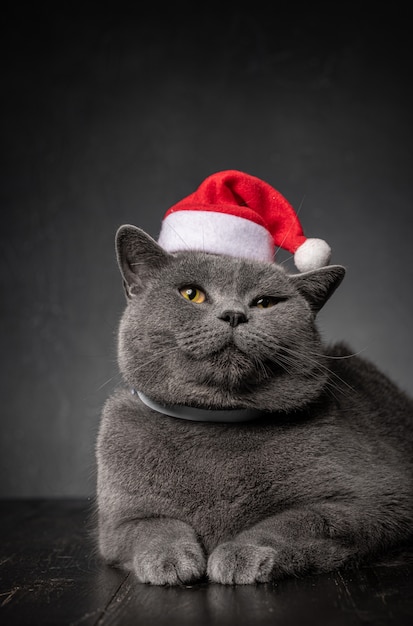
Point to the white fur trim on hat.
(312, 254)
(217, 233)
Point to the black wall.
(110, 117)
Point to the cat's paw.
(241, 564)
(176, 563)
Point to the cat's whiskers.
(287, 260)
(158, 355)
(118, 375)
(263, 367)
(331, 386)
(331, 382)
(320, 365)
(336, 357)
(286, 364)
(289, 364)
(298, 211)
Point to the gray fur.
(323, 480)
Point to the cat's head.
(220, 332)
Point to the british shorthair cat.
(241, 449)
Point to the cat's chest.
(210, 472)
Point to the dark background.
(111, 116)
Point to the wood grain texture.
(50, 575)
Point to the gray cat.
(242, 449)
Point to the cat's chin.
(231, 379)
(230, 370)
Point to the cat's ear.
(139, 258)
(318, 285)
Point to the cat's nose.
(233, 317)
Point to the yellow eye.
(265, 302)
(193, 294)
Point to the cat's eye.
(193, 294)
(265, 302)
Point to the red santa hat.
(240, 215)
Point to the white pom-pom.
(312, 254)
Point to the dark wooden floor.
(50, 575)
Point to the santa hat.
(240, 215)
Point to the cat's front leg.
(292, 543)
(161, 551)
(245, 561)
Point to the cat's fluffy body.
(323, 478)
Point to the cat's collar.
(202, 415)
